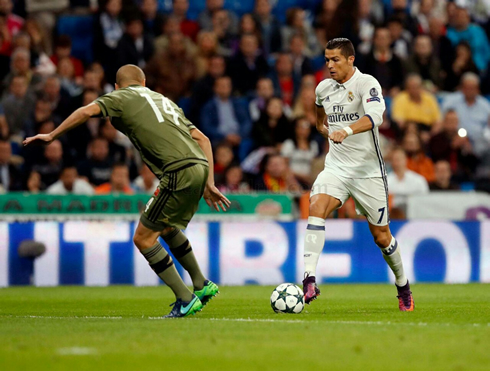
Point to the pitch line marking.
(76, 351)
(270, 320)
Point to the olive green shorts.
(176, 199)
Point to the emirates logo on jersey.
(350, 97)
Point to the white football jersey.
(359, 155)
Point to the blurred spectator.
(66, 73)
(33, 183)
(108, 31)
(441, 45)
(381, 63)
(270, 27)
(442, 181)
(172, 72)
(276, 176)
(423, 14)
(414, 104)
(300, 151)
(152, 19)
(463, 30)
(296, 24)
(462, 63)
(400, 37)
(20, 64)
(301, 63)
(4, 128)
(273, 127)
(117, 153)
(134, 47)
(50, 166)
(94, 78)
(69, 183)
(247, 66)
(233, 181)
(97, 167)
(345, 21)
(119, 182)
(403, 182)
(416, 159)
(221, 27)
(187, 27)
(18, 105)
(13, 22)
(57, 96)
(207, 46)
(305, 105)
(170, 27)
(41, 43)
(223, 158)
(400, 12)
(264, 92)
(224, 117)
(146, 182)
(249, 26)
(472, 109)
(42, 113)
(205, 19)
(10, 173)
(286, 85)
(453, 148)
(203, 89)
(424, 63)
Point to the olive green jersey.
(155, 125)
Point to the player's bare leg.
(146, 240)
(321, 205)
(391, 253)
(182, 251)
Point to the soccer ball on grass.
(287, 298)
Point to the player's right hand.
(214, 198)
(46, 138)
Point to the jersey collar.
(349, 82)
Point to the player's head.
(339, 57)
(129, 74)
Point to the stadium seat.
(240, 7)
(195, 7)
(80, 30)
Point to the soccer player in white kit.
(353, 104)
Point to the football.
(287, 298)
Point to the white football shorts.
(370, 194)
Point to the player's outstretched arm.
(212, 195)
(76, 118)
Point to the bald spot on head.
(129, 75)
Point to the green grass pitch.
(351, 327)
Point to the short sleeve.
(318, 100)
(110, 104)
(186, 121)
(372, 100)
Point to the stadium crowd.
(245, 74)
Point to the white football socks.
(392, 256)
(314, 241)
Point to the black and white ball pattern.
(287, 298)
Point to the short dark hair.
(345, 46)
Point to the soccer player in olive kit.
(181, 157)
(353, 105)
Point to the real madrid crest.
(350, 97)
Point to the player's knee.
(382, 239)
(142, 242)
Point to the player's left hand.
(46, 138)
(214, 198)
(338, 136)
